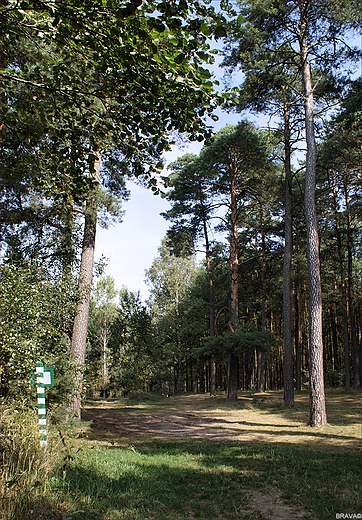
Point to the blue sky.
(132, 245)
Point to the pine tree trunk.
(212, 309)
(343, 291)
(287, 267)
(80, 326)
(261, 355)
(318, 417)
(233, 361)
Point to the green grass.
(196, 479)
(25, 466)
(109, 476)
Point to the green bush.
(36, 315)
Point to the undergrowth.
(28, 467)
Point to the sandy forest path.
(197, 416)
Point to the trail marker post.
(43, 377)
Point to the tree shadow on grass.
(183, 479)
(146, 492)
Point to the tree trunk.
(318, 417)
(80, 325)
(343, 290)
(104, 349)
(233, 361)
(261, 355)
(212, 309)
(287, 266)
(352, 321)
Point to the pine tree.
(296, 32)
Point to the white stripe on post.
(41, 403)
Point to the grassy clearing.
(268, 464)
(315, 473)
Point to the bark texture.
(80, 326)
(318, 417)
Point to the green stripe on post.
(41, 404)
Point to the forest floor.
(253, 417)
(254, 458)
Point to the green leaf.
(179, 58)
(203, 55)
(204, 73)
(174, 41)
(158, 25)
(205, 29)
(174, 23)
(220, 32)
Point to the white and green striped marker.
(40, 388)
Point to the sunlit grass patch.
(136, 401)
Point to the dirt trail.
(198, 417)
(184, 416)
